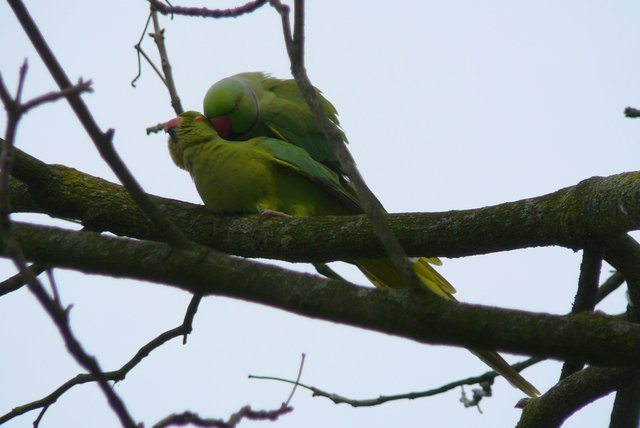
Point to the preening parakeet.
(263, 174)
(248, 105)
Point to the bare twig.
(115, 375)
(102, 140)
(142, 53)
(166, 76)
(293, 391)
(371, 206)
(185, 418)
(158, 37)
(155, 129)
(207, 13)
(187, 324)
(631, 112)
(339, 399)
(76, 89)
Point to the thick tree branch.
(484, 380)
(573, 393)
(594, 339)
(599, 207)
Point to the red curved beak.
(171, 124)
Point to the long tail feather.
(500, 366)
(383, 274)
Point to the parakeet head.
(188, 129)
(232, 107)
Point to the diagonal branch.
(573, 393)
(158, 37)
(585, 300)
(52, 305)
(371, 206)
(102, 140)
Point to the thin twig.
(207, 13)
(186, 418)
(187, 324)
(138, 48)
(155, 128)
(158, 37)
(114, 375)
(76, 89)
(293, 391)
(339, 399)
(632, 112)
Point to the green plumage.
(268, 174)
(257, 105)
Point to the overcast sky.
(447, 105)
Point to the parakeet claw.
(273, 213)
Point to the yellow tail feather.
(383, 274)
(500, 366)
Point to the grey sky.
(447, 105)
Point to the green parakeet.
(268, 174)
(255, 104)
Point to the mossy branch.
(587, 337)
(597, 208)
(573, 393)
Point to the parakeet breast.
(242, 178)
(229, 178)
